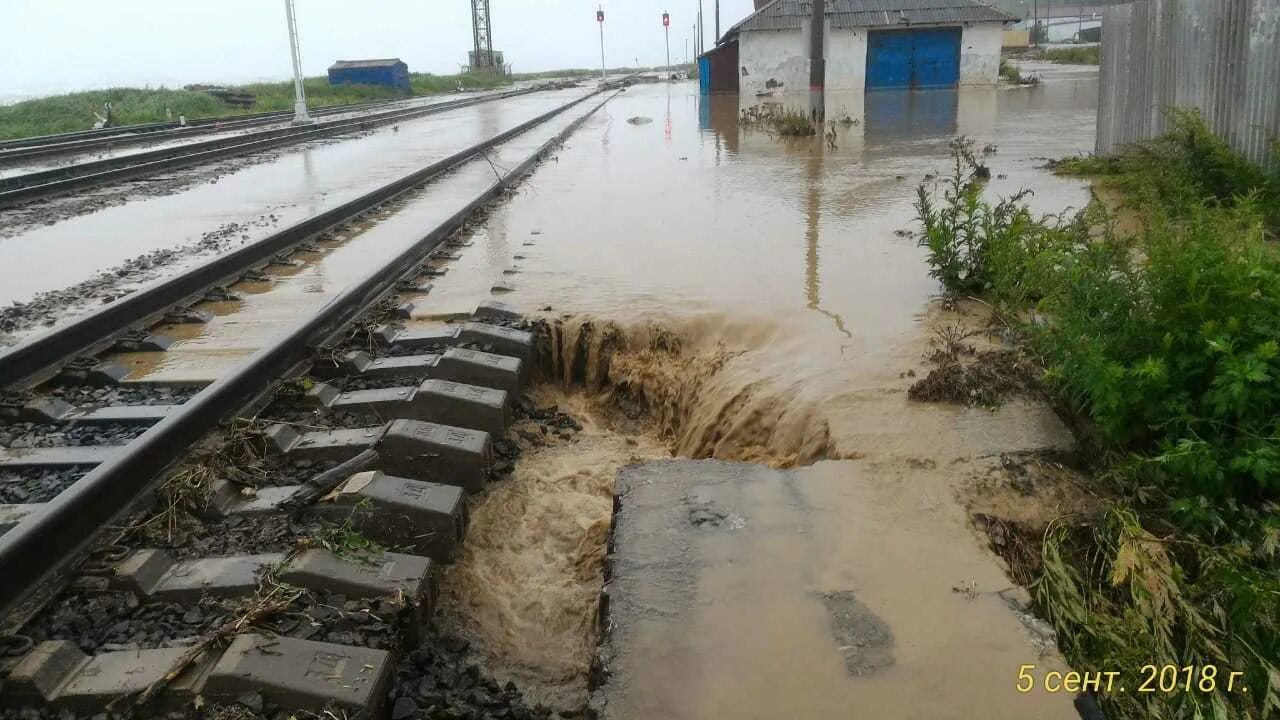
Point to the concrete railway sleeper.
(22, 188)
(309, 596)
(67, 349)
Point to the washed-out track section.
(393, 464)
(19, 189)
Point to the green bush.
(1168, 341)
(1176, 353)
(1185, 168)
(970, 241)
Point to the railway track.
(400, 426)
(19, 189)
(86, 140)
(51, 146)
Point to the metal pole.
(604, 75)
(701, 42)
(1035, 23)
(818, 62)
(668, 31)
(716, 39)
(300, 115)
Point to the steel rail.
(22, 188)
(44, 543)
(53, 149)
(37, 359)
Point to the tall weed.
(1168, 340)
(1188, 167)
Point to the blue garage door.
(913, 58)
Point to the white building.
(870, 44)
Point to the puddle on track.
(787, 309)
(265, 311)
(297, 183)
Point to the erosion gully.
(458, 388)
(715, 497)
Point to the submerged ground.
(712, 291)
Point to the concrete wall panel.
(773, 61)
(980, 54)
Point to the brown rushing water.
(756, 295)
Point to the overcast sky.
(54, 46)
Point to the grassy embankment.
(1081, 55)
(1165, 342)
(1084, 55)
(74, 111)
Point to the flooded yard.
(714, 292)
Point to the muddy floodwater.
(764, 300)
(757, 308)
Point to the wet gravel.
(308, 417)
(23, 218)
(88, 397)
(33, 435)
(24, 486)
(187, 538)
(115, 621)
(46, 309)
(356, 382)
(437, 680)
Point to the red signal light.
(600, 16)
(666, 20)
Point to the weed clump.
(1167, 341)
(1010, 72)
(778, 120)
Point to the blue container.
(390, 73)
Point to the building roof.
(788, 14)
(348, 64)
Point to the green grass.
(74, 111)
(1166, 340)
(1183, 170)
(1087, 55)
